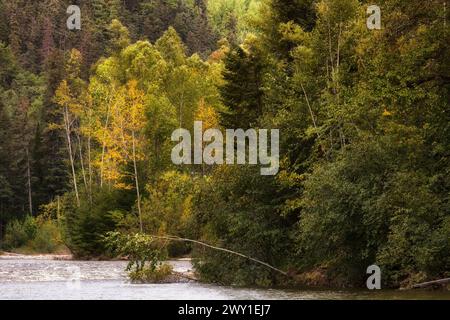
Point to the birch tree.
(124, 140)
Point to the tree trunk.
(69, 147)
(103, 150)
(136, 179)
(30, 199)
(80, 150)
(90, 169)
(441, 282)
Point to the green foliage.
(189, 18)
(363, 116)
(85, 226)
(418, 242)
(39, 234)
(238, 209)
(352, 209)
(119, 36)
(21, 94)
(167, 210)
(148, 275)
(232, 18)
(142, 250)
(359, 178)
(9, 65)
(242, 92)
(145, 255)
(48, 237)
(18, 233)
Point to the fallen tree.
(173, 238)
(435, 283)
(145, 253)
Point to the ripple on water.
(47, 279)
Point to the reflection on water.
(42, 278)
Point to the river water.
(42, 278)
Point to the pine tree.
(6, 191)
(18, 171)
(242, 93)
(49, 143)
(299, 12)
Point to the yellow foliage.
(387, 113)
(207, 115)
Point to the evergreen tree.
(49, 143)
(242, 92)
(6, 191)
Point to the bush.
(374, 205)
(168, 209)
(39, 235)
(145, 254)
(86, 226)
(238, 209)
(18, 233)
(47, 239)
(149, 275)
(141, 249)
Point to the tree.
(125, 136)
(119, 36)
(242, 92)
(275, 13)
(171, 47)
(21, 94)
(67, 96)
(6, 192)
(245, 219)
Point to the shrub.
(47, 239)
(168, 209)
(18, 233)
(141, 249)
(238, 209)
(145, 254)
(149, 275)
(39, 234)
(86, 225)
(369, 207)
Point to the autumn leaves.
(117, 126)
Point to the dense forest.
(86, 118)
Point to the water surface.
(41, 278)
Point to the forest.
(86, 118)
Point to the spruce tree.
(242, 93)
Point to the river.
(43, 278)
